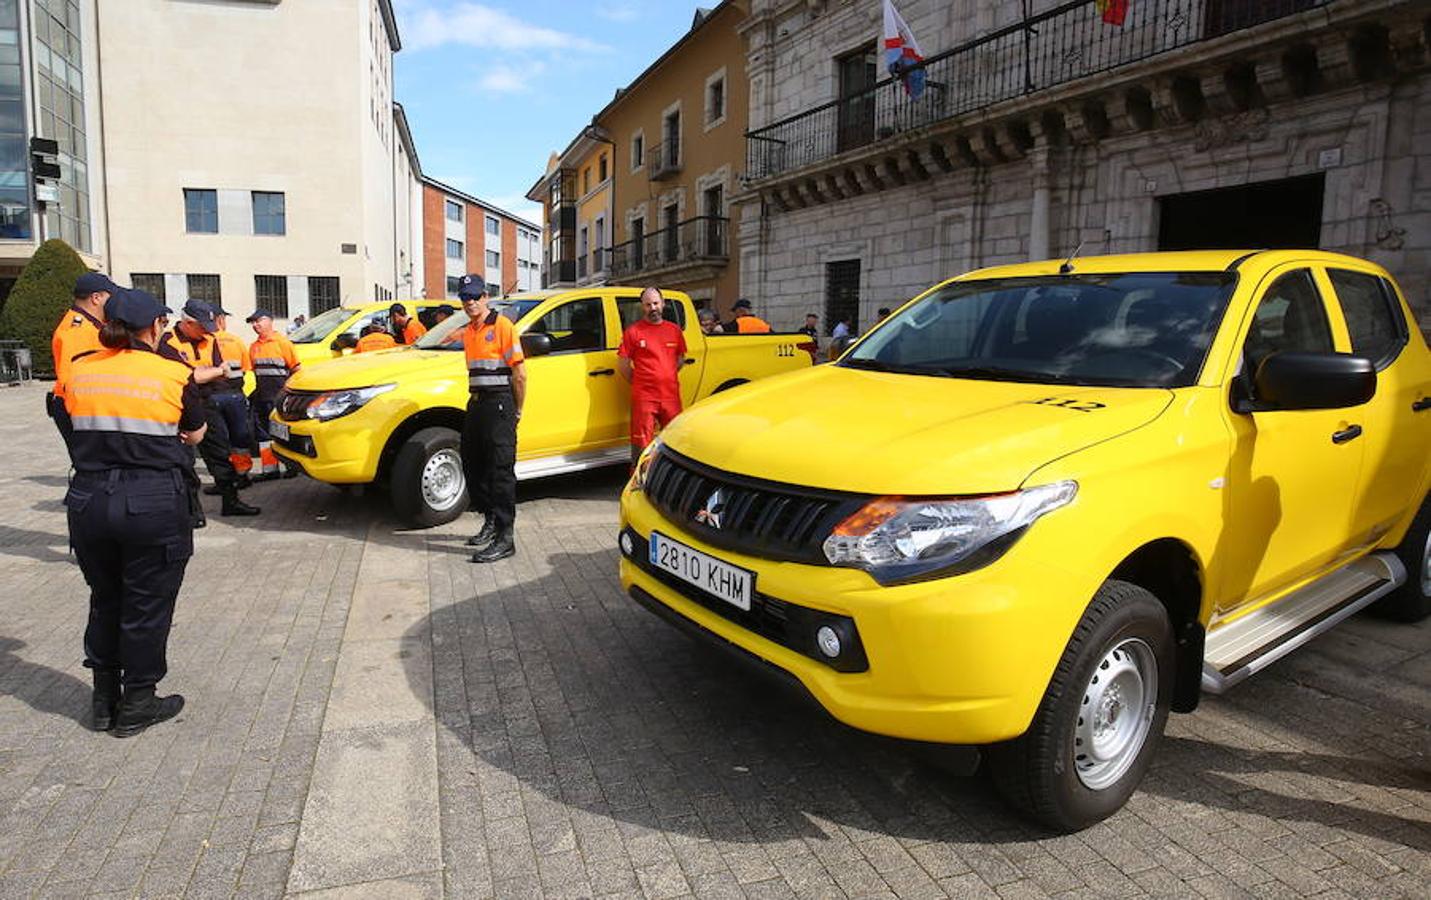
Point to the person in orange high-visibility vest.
(406, 329)
(497, 383)
(131, 520)
(76, 336)
(747, 322)
(375, 337)
(229, 398)
(273, 359)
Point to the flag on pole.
(1113, 11)
(901, 53)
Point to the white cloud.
(507, 80)
(618, 12)
(433, 23)
(518, 205)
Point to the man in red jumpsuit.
(651, 354)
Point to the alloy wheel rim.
(1116, 713)
(442, 480)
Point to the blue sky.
(492, 87)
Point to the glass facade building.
(60, 101)
(15, 202)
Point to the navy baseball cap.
(445, 309)
(259, 314)
(202, 313)
(133, 307)
(220, 311)
(397, 309)
(93, 283)
(470, 287)
(742, 303)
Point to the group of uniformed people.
(132, 400)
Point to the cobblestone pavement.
(583, 748)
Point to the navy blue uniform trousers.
(131, 532)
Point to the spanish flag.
(1113, 11)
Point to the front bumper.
(345, 450)
(962, 660)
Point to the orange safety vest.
(126, 406)
(492, 349)
(272, 360)
(751, 325)
(378, 340)
(76, 336)
(235, 359)
(204, 352)
(413, 330)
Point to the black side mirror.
(536, 344)
(1313, 381)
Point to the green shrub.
(42, 293)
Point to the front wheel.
(1101, 717)
(428, 485)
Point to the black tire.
(414, 503)
(1411, 602)
(1040, 772)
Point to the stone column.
(1039, 219)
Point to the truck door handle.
(598, 372)
(1421, 405)
(691, 361)
(1348, 434)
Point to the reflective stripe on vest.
(488, 373)
(124, 425)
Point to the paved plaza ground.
(371, 716)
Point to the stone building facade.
(1195, 123)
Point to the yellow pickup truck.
(1054, 501)
(395, 416)
(313, 340)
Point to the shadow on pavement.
(567, 686)
(41, 688)
(33, 544)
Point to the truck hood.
(884, 433)
(377, 367)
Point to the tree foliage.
(42, 293)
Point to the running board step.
(1249, 644)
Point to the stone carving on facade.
(1225, 131)
(1388, 235)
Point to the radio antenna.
(1067, 266)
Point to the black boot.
(502, 546)
(291, 471)
(485, 536)
(105, 700)
(140, 708)
(217, 490)
(233, 506)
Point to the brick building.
(1195, 123)
(462, 234)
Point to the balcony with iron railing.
(1053, 48)
(700, 244)
(663, 160)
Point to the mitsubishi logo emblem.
(711, 513)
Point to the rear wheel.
(428, 485)
(1101, 717)
(1412, 601)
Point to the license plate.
(721, 579)
(277, 429)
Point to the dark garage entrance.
(1274, 214)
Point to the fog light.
(828, 641)
(626, 545)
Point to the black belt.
(135, 474)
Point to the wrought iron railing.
(1061, 45)
(701, 239)
(664, 159)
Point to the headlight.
(333, 404)
(643, 465)
(897, 539)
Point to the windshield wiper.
(874, 365)
(998, 373)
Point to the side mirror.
(536, 344)
(1314, 381)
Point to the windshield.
(1144, 329)
(318, 327)
(447, 335)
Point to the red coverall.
(655, 352)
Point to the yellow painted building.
(672, 143)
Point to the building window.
(268, 213)
(454, 249)
(602, 164)
(586, 180)
(454, 211)
(672, 132)
(271, 293)
(452, 285)
(493, 226)
(201, 211)
(323, 294)
(638, 150)
(494, 259)
(148, 281)
(715, 100)
(205, 288)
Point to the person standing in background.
(650, 357)
(76, 336)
